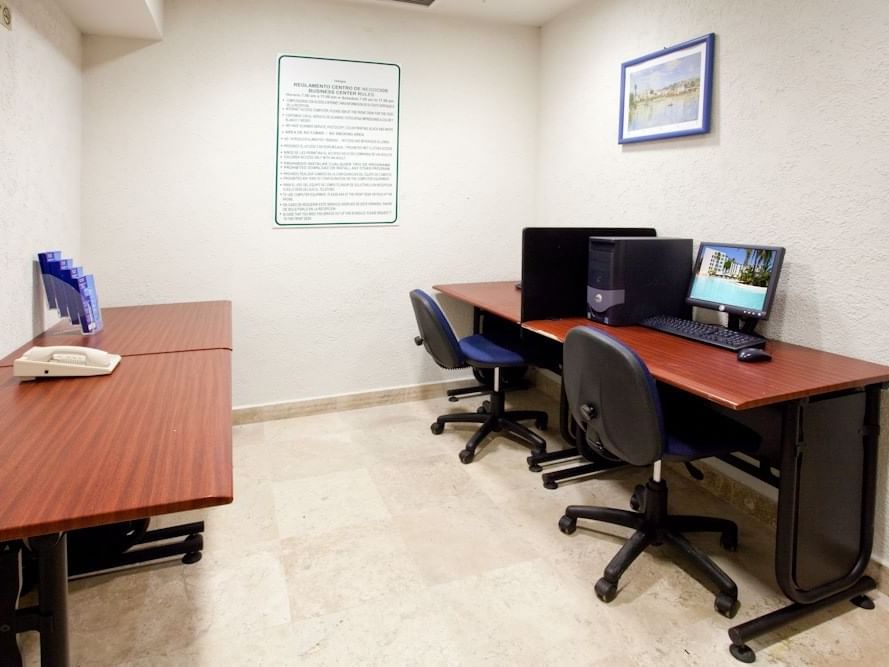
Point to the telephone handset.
(64, 361)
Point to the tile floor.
(358, 538)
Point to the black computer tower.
(630, 279)
(554, 268)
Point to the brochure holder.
(71, 292)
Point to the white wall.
(798, 154)
(179, 178)
(40, 105)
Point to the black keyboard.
(712, 334)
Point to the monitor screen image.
(737, 279)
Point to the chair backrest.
(436, 332)
(613, 396)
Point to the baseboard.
(878, 571)
(546, 382)
(312, 406)
(739, 495)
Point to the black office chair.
(476, 351)
(615, 400)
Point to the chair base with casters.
(90, 551)
(455, 395)
(485, 383)
(494, 417)
(127, 543)
(596, 461)
(571, 432)
(654, 525)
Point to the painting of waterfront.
(734, 276)
(667, 93)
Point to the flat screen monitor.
(736, 279)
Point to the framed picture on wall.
(667, 93)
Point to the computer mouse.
(750, 354)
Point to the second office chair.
(614, 398)
(437, 336)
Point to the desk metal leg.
(741, 634)
(50, 616)
(10, 586)
(52, 565)
(825, 509)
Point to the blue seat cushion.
(481, 352)
(698, 433)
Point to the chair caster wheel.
(192, 557)
(541, 424)
(549, 484)
(729, 541)
(636, 498)
(742, 652)
(567, 524)
(727, 605)
(605, 590)
(863, 601)
(437, 428)
(453, 399)
(466, 456)
(533, 466)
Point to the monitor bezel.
(728, 308)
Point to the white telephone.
(64, 361)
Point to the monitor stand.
(743, 324)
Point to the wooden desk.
(151, 438)
(134, 330)
(828, 409)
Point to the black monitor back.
(554, 268)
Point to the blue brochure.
(69, 278)
(58, 286)
(43, 258)
(92, 315)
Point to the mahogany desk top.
(151, 438)
(501, 298)
(716, 374)
(133, 330)
(704, 370)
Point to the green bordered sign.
(337, 146)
